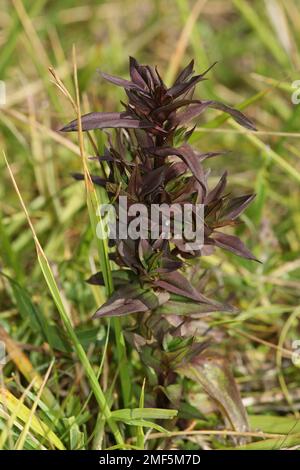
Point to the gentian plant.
(148, 160)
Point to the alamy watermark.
(3, 358)
(296, 352)
(184, 222)
(295, 98)
(2, 93)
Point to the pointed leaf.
(131, 298)
(105, 120)
(235, 113)
(236, 206)
(218, 190)
(134, 73)
(233, 244)
(119, 81)
(120, 277)
(214, 375)
(193, 111)
(177, 284)
(181, 87)
(143, 413)
(185, 73)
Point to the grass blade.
(23, 413)
(53, 288)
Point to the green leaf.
(38, 322)
(140, 437)
(55, 293)
(23, 413)
(146, 424)
(143, 413)
(76, 436)
(275, 424)
(273, 444)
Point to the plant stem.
(123, 362)
(93, 205)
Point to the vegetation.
(197, 359)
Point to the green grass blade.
(53, 288)
(263, 32)
(143, 413)
(280, 161)
(102, 244)
(9, 401)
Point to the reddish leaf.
(187, 154)
(119, 81)
(218, 190)
(237, 115)
(194, 110)
(180, 87)
(185, 73)
(131, 299)
(153, 180)
(135, 75)
(213, 373)
(105, 120)
(192, 161)
(178, 284)
(233, 244)
(236, 206)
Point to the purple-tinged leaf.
(169, 264)
(154, 77)
(119, 81)
(134, 181)
(233, 244)
(183, 193)
(180, 88)
(236, 206)
(120, 277)
(144, 139)
(106, 120)
(95, 179)
(205, 156)
(194, 110)
(218, 190)
(192, 161)
(166, 109)
(153, 180)
(140, 102)
(185, 73)
(145, 250)
(127, 251)
(177, 284)
(235, 113)
(187, 154)
(120, 307)
(213, 373)
(175, 170)
(183, 87)
(131, 298)
(135, 75)
(135, 340)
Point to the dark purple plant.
(150, 161)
